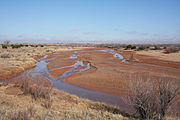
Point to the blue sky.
(100, 21)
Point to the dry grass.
(15, 61)
(35, 87)
(62, 106)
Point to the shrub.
(36, 88)
(41, 45)
(147, 47)
(7, 42)
(5, 56)
(128, 46)
(4, 46)
(26, 45)
(133, 47)
(34, 45)
(21, 45)
(157, 48)
(152, 101)
(142, 47)
(15, 46)
(172, 49)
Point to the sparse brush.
(4, 46)
(141, 48)
(36, 89)
(5, 56)
(172, 49)
(151, 100)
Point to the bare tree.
(167, 92)
(151, 100)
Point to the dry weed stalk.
(151, 100)
(36, 87)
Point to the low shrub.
(37, 88)
(141, 48)
(129, 46)
(172, 49)
(147, 47)
(4, 46)
(5, 56)
(34, 45)
(133, 47)
(152, 100)
(157, 48)
(41, 45)
(15, 46)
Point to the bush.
(15, 46)
(26, 45)
(5, 56)
(133, 47)
(41, 45)
(157, 48)
(36, 88)
(7, 42)
(128, 46)
(151, 100)
(172, 49)
(4, 46)
(34, 45)
(142, 47)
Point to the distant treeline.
(13, 46)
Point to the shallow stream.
(79, 66)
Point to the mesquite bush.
(152, 100)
